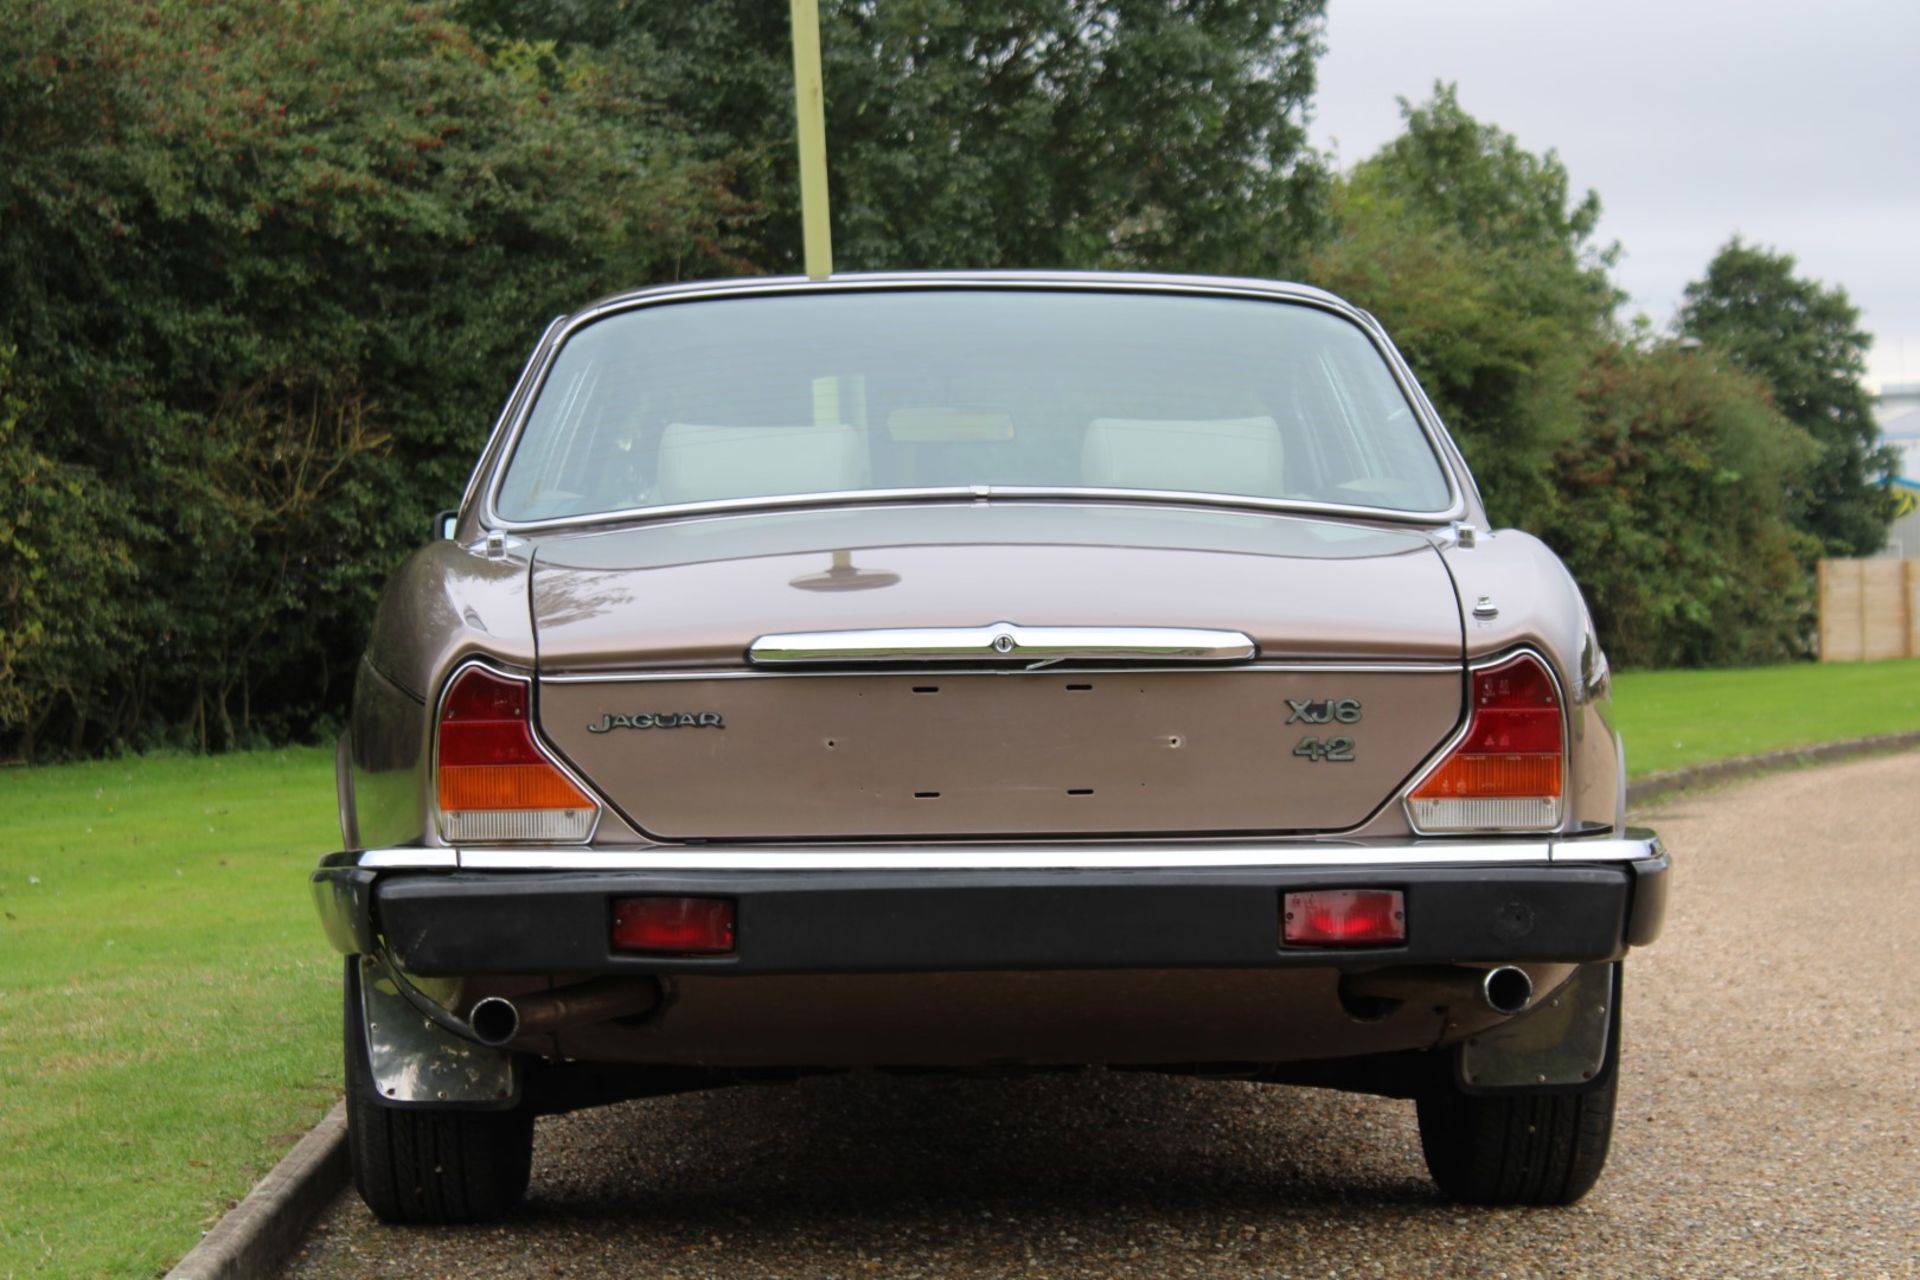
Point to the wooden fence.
(1869, 609)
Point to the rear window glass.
(752, 397)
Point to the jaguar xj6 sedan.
(967, 673)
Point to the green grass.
(168, 1007)
(1671, 719)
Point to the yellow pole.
(810, 121)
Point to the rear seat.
(701, 463)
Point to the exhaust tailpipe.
(1505, 990)
(499, 1020)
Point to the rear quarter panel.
(1538, 603)
(444, 605)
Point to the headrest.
(702, 463)
(1213, 455)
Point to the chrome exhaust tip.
(1507, 990)
(495, 1021)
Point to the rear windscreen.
(846, 392)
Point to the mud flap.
(1568, 1043)
(413, 1062)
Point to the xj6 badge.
(1326, 711)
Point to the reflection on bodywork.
(842, 574)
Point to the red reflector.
(1519, 683)
(484, 742)
(481, 695)
(1514, 731)
(674, 926)
(483, 720)
(1343, 918)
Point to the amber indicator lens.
(1343, 918)
(674, 926)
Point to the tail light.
(494, 781)
(1505, 773)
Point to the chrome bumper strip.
(400, 859)
(1636, 846)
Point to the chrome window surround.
(499, 452)
(1635, 846)
(515, 397)
(1459, 459)
(539, 741)
(1459, 735)
(1003, 641)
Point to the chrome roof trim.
(1635, 847)
(499, 452)
(844, 281)
(1003, 641)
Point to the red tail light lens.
(674, 926)
(494, 781)
(1505, 774)
(1343, 918)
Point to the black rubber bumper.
(470, 923)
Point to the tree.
(1665, 481)
(269, 267)
(1475, 256)
(1162, 134)
(1675, 513)
(65, 576)
(1804, 340)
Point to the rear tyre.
(1524, 1149)
(427, 1165)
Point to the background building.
(1898, 410)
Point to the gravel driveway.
(1768, 1119)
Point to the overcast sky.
(1794, 124)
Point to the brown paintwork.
(1041, 753)
(633, 599)
(444, 605)
(387, 753)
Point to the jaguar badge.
(658, 720)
